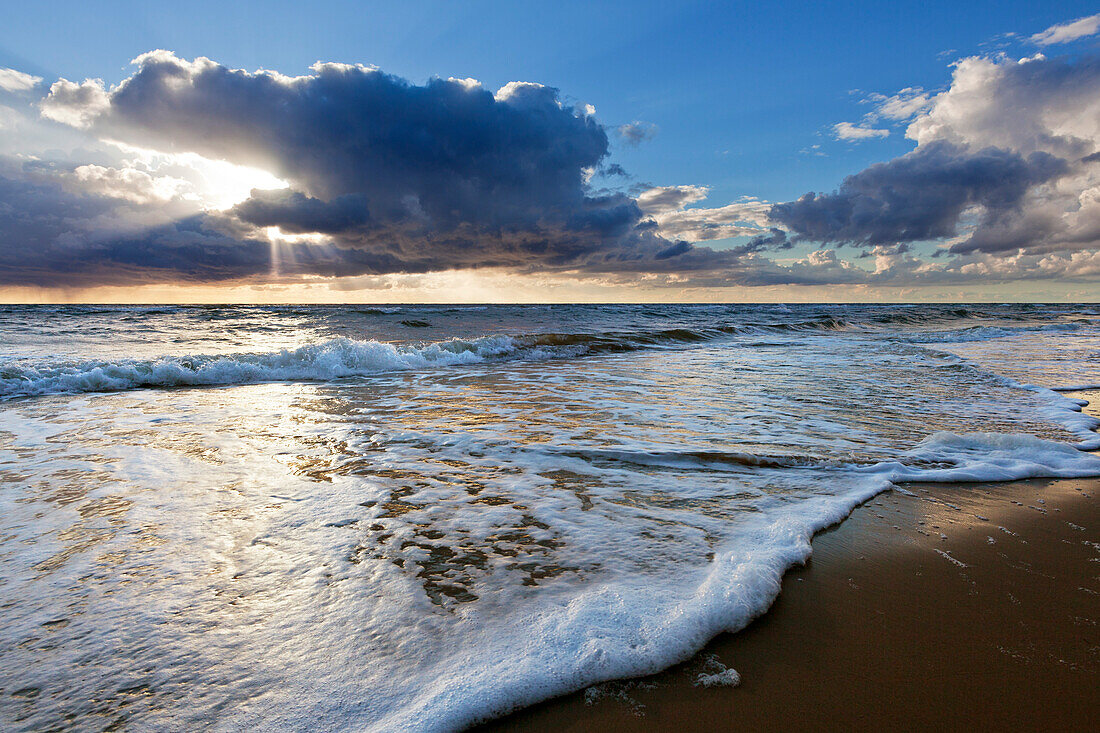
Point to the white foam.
(989, 457)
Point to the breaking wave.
(324, 361)
(345, 357)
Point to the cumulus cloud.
(103, 226)
(17, 81)
(132, 184)
(53, 235)
(1066, 32)
(891, 109)
(664, 199)
(848, 131)
(918, 196)
(1037, 103)
(75, 104)
(297, 213)
(1003, 164)
(443, 175)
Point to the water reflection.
(177, 555)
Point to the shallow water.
(322, 518)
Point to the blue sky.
(740, 98)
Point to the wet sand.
(958, 606)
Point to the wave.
(941, 456)
(987, 333)
(342, 357)
(624, 630)
(324, 361)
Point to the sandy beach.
(954, 606)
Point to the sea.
(419, 517)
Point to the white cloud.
(901, 106)
(75, 104)
(850, 132)
(1036, 104)
(1066, 32)
(667, 205)
(212, 184)
(8, 117)
(662, 199)
(467, 82)
(517, 90)
(130, 184)
(16, 81)
(1006, 174)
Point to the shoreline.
(952, 605)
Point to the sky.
(493, 151)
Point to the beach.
(648, 366)
(955, 606)
(427, 517)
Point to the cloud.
(446, 174)
(105, 226)
(919, 196)
(386, 178)
(53, 236)
(635, 133)
(899, 107)
(850, 132)
(666, 206)
(16, 81)
(1047, 104)
(297, 213)
(904, 105)
(77, 105)
(663, 199)
(1003, 164)
(130, 183)
(1066, 32)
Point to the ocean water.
(420, 517)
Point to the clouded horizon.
(189, 179)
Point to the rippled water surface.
(319, 518)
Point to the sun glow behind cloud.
(215, 185)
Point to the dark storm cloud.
(54, 232)
(53, 236)
(447, 172)
(919, 196)
(297, 213)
